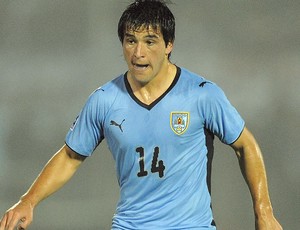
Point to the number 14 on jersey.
(157, 166)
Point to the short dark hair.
(145, 14)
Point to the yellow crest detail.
(179, 122)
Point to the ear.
(169, 48)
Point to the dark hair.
(146, 13)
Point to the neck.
(152, 90)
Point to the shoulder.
(103, 97)
(199, 84)
(109, 89)
(113, 85)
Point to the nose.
(139, 50)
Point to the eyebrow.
(151, 36)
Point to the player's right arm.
(59, 169)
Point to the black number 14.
(156, 166)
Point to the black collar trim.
(150, 106)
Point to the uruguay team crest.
(179, 122)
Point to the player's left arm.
(253, 169)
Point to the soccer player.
(158, 120)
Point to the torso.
(160, 149)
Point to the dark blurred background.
(53, 54)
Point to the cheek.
(158, 57)
(127, 55)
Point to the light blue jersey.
(159, 149)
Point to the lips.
(140, 66)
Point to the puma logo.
(118, 125)
(203, 83)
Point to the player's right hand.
(18, 216)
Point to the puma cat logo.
(203, 83)
(118, 125)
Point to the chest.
(173, 120)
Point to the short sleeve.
(86, 132)
(221, 118)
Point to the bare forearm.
(253, 169)
(54, 175)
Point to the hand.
(266, 223)
(18, 216)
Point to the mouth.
(140, 66)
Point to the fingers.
(3, 222)
(11, 221)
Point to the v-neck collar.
(150, 106)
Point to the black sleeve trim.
(75, 151)
(238, 135)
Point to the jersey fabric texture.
(159, 149)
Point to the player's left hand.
(267, 223)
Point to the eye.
(130, 41)
(150, 42)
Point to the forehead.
(144, 30)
